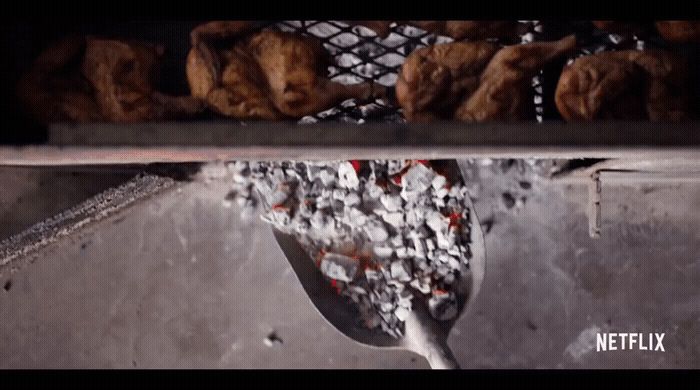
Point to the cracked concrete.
(181, 281)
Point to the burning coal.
(383, 233)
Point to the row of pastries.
(238, 70)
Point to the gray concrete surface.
(181, 281)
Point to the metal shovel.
(423, 334)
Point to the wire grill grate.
(360, 55)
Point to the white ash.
(382, 232)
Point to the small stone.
(452, 204)
(402, 313)
(430, 245)
(327, 178)
(456, 192)
(386, 307)
(357, 290)
(347, 176)
(405, 297)
(422, 264)
(371, 275)
(374, 191)
(442, 241)
(419, 247)
(441, 270)
(395, 166)
(402, 252)
(442, 256)
(339, 194)
(391, 202)
(418, 178)
(453, 251)
(400, 271)
(418, 233)
(357, 217)
(453, 263)
(380, 211)
(394, 219)
(339, 267)
(383, 251)
(436, 221)
(443, 305)
(386, 316)
(302, 226)
(439, 182)
(424, 288)
(318, 220)
(279, 217)
(377, 232)
(397, 241)
(352, 199)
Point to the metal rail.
(179, 142)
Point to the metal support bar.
(595, 188)
(594, 213)
(104, 143)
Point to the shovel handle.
(439, 355)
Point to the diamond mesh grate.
(360, 55)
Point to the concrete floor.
(180, 281)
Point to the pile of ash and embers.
(382, 232)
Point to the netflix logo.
(630, 341)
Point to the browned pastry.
(457, 29)
(54, 89)
(434, 80)
(266, 75)
(629, 84)
(473, 81)
(679, 31)
(123, 75)
(89, 79)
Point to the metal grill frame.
(382, 134)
